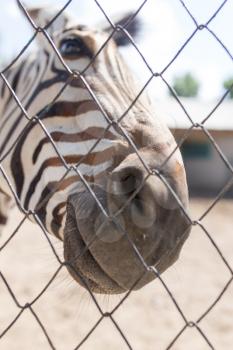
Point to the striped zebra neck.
(37, 155)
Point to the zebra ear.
(131, 24)
(48, 18)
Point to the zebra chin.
(119, 237)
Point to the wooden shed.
(207, 171)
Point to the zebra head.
(101, 169)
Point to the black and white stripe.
(74, 121)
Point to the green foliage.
(186, 85)
(228, 85)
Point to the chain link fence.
(196, 323)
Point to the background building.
(206, 171)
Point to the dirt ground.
(148, 318)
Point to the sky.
(165, 28)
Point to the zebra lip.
(80, 263)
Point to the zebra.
(83, 152)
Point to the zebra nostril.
(125, 181)
(131, 195)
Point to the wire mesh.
(73, 75)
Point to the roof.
(198, 110)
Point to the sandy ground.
(148, 318)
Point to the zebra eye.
(73, 47)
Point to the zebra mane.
(53, 20)
(49, 17)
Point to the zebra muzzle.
(137, 222)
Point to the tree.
(228, 85)
(186, 85)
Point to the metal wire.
(73, 75)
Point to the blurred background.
(200, 76)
